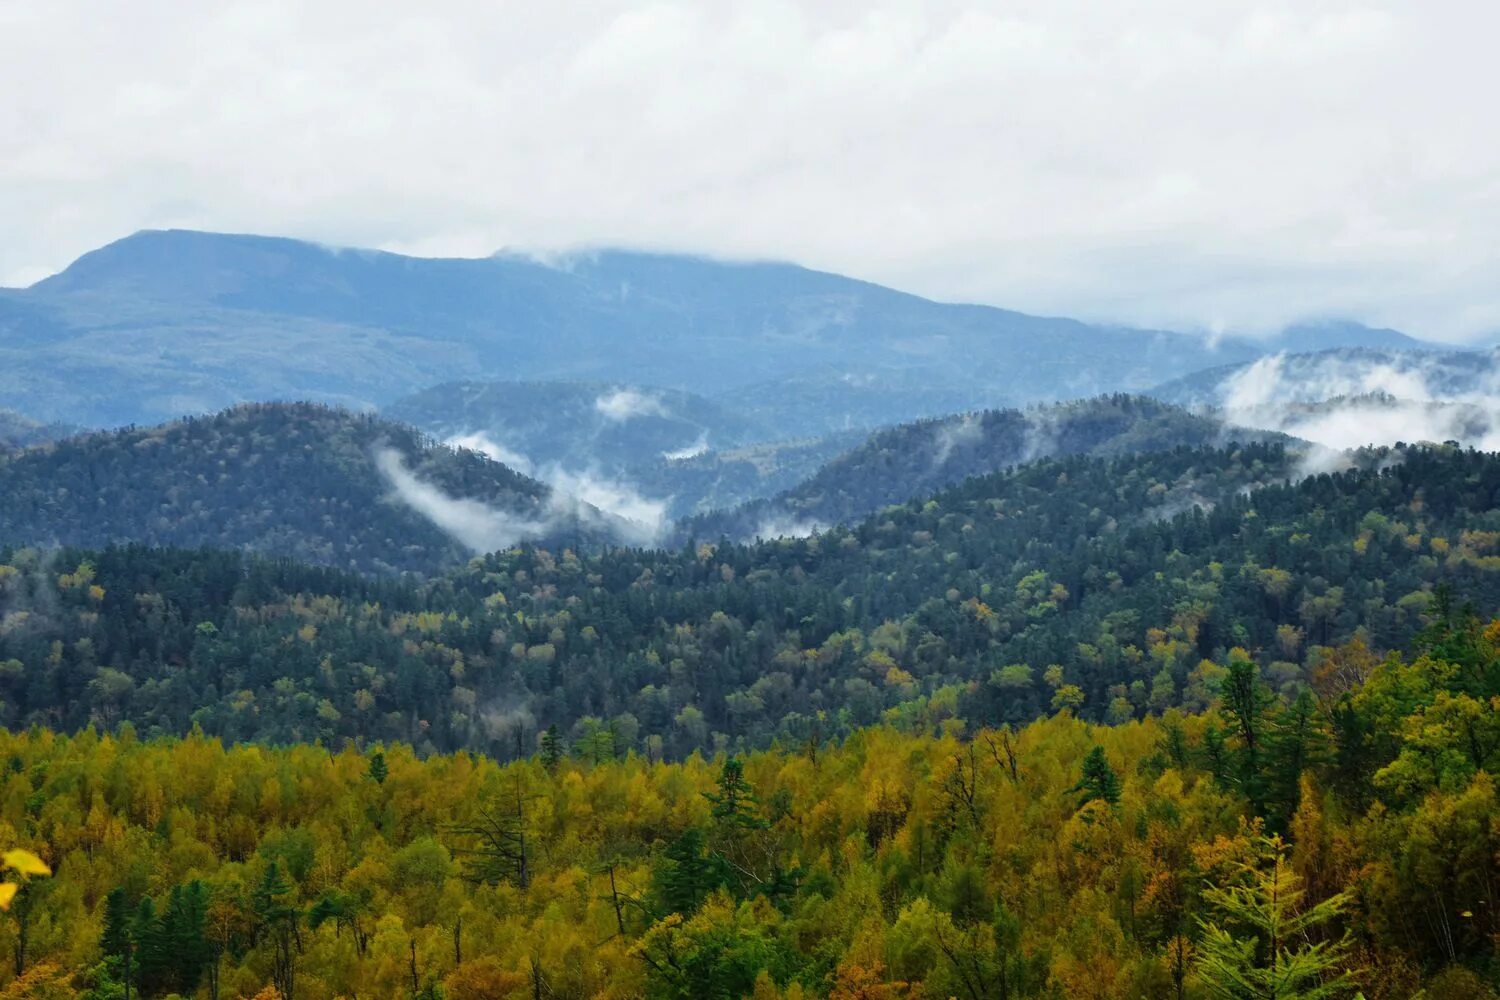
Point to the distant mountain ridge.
(166, 323)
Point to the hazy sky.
(1196, 164)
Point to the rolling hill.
(299, 480)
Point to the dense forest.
(284, 479)
(912, 460)
(1112, 587)
(1341, 841)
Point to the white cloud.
(693, 450)
(626, 404)
(476, 525)
(1218, 165)
(646, 518)
(1347, 401)
(493, 450)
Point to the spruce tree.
(734, 805)
(1099, 780)
(116, 941)
(1260, 947)
(552, 748)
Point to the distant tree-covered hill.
(912, 460)
(20, 431)
(1109, 586)
(317, 484)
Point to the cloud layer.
(1233, 164)
(1344, 402)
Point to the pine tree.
(552, 748)
(276, 918)
(115, 937)
(1260, 947)
(116, 940)
(1246, 702)
(378, 769)
(1099, 780)
(153, 955)
(184, 926)
(735, 804)
(687, 874)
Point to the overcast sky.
(1201, 164)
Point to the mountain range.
(169, 323)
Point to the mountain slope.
(913, 460)
(164, 323)
(1126, 572)
(299, 480)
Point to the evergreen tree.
(686, 875)
(115, 938)
(1246, 701)
(378, 769)
(1099, 780)
(734, 805)
(152, 950)
(276, 919)
(1260, 945)
(553, 750)
(116, 941)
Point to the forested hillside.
(912, 460)
(1109, 586)
(926, 858)
(297, 480)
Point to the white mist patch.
(493, 450)
(471, 523)
(646, 517)
(575, 492)
(693, 450)
(780, 526)
(1041, 435)
(1342, 402)
(627, 404)
(951, 434)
